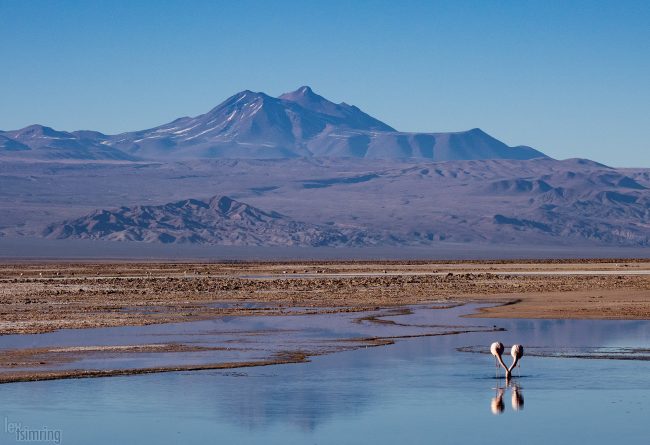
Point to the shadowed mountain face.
(252, 125)
(220, 220)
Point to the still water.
(419, 390)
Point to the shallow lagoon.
(420, 390)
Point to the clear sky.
(571, 78)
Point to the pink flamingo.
(517, 352)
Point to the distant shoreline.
(28, 249)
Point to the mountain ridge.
(219, 220)
(254, 125)
(539, 202)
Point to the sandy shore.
(37, 298)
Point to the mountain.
(219, 220)
(39, 142)
(293, 154)
(253, 125)
(8, 145)
(340, 115)
(539, 202)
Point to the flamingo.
(517, 352)
(496, 349)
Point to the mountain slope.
(220, 220)
(253, 125)
(249, 125)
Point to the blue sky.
(571, 78)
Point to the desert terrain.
(39, 298)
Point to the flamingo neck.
(500, 359)
(514, 363)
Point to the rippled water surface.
(419, 390)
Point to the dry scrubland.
(38, 298)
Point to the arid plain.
(39, 298)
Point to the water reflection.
(517, 399)
(421, 390)
(497, 406)
(229, 340)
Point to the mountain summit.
(255, 125)
(347, 115)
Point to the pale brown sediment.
(37, 298)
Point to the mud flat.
(37, 298)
